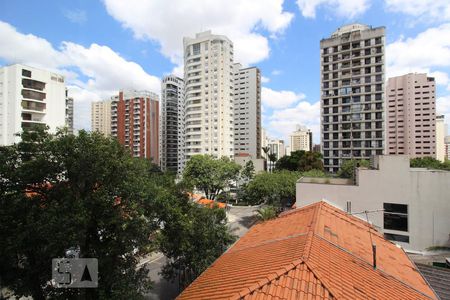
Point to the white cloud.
(106, 71)
(443, 107)
(167, 23)
(279, 99)
(282, 122)
(77, 16)
(422, 10)
(428, 52)
(265, 79)
(276, 72)
(341, 8)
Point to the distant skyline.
(103, 46)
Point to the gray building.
(69, 112)
(172, 124)
(247, 111)
(352, 94)
(411, 206)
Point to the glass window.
(397, 237)
(395, 216)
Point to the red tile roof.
(315, 252)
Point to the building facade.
(172, 124)
(69, 113)
(209, 92)
(101, 117)
(352, 94)
(411, 115)
(441, 133)
(301, 139)
(135, 123)
(389, 192)
(447, 147)
(247, 111)
(30, 97)
(277, 147)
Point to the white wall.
(426, 192)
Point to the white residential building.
(247, 111)
(209, 92)
(30, 97)
(411, 206)
(277, 147)
(301, 139)
(172, 124)
(69, 112)
(101, 117)
(441, 133)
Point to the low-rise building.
(243, 158)
(314, 252)
(411, 206)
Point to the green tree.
(84, 191)
(192, 238)
(273, 160)
(277, 188)
(210, 175)
(300, 161)
(248, 172)
(430, 163)
(266, 213)
(347, 169)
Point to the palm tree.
(266, 150)
(266, 213)
(273, 159)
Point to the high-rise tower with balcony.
(172, 124)
(101, 116)
(209, 91)
(30, 97)
(352, 94)
(135, 122)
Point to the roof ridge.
(230, 250)
(367, 263)
(268, 279)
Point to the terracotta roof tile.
(315, 252)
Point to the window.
(196, 49)
(397, 237)
(395, 216)
(26, 73)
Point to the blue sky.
(104, 46)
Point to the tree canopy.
(347, 169)
(300, 161)
(430, 163)
(210, 175)
(87, 192)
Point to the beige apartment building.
(101, 117)
(411, 115)
(301, 139)
(209, 93)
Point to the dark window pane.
(395, 208)
(396, 221)
(397, 237)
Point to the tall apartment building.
(101, 117)
(441, 132)
(277, 147)
(208, 78)
(301, 139)
(69, 113)
(447, 147)
(264, 142)
(247, 111)
(172, 124)
(135, 122)
(411, 115)
(30, 97)
(352, 94)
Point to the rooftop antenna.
(374, 246)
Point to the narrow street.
(240, 219)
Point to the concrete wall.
(426, 192)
